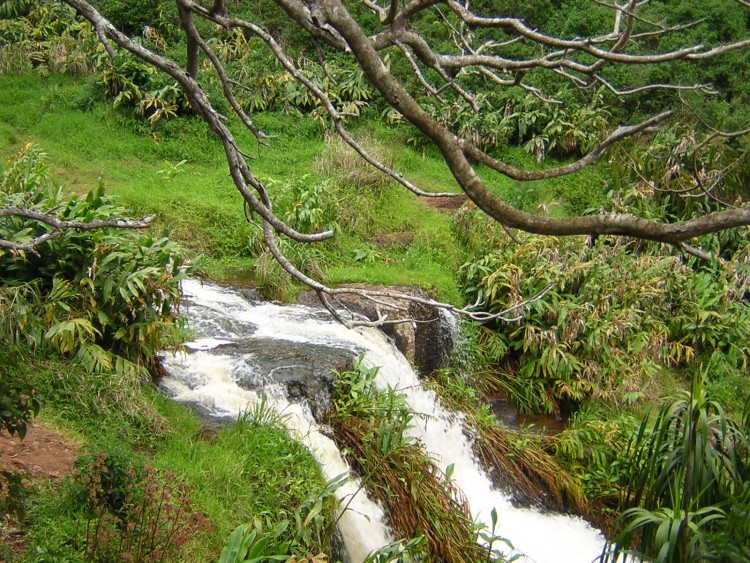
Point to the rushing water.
(209, 375)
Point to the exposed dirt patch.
(445, 204)
(45, 453)
(399, 239)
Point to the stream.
(246, 350)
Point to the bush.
(45, 37)
(613, 316)
(136, 515)
(19, 400)
(688, 478)
(130, 16)
(107, 298)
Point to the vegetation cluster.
(618, 325)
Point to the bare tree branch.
(697, 87)
(579, 60)
(237, 166)
(60, 226)
(336, 117)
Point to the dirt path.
(446, 204)
(45, 453)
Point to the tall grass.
(419, 499)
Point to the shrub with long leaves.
(687, 484)
(371, 425)
(613, 316)
(108, 298)
(45, 37)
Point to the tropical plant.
(371, 425)
(130, 83)
(287, 536)
(613, 315)
(107, 298)
(45, 37)
(687, 477)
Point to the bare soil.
(445, 204)
(46, 455)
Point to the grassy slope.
(199, 205)
(405, 243)
(237, 473)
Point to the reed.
(516, 460)
(419, 498)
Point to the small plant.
(296, 536)
(171, 169)
(19, 403)
(304, 204)
(402, 551)
(137, 517)
(490, 538)
(366, 254)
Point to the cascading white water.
(209, 379)
(221, 316)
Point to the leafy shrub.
(572, 127)
(612, 317)
(46, 37)
(688, 477)
(107, 298)
(269, 87)
(131, 83)
(665, 178)
(19, 399)
(296, 535)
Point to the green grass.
(199, 206)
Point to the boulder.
(425, 334)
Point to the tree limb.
(59, 226)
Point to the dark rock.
(306, 371)
(425, 335)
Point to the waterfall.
(209, 376)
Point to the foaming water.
(208, 376)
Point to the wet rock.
(306, 371)
(426, 334)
